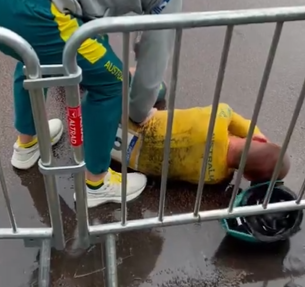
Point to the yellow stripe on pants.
(90, 49)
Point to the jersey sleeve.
(237, 124)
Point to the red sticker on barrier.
(75, 126)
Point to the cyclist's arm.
(238, 125)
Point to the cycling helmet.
(266, 228)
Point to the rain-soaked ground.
(190, 255)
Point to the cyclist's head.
(261, 160)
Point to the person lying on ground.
(189, 135)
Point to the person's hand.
(132, 71)
(149, 117)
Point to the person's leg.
(153, 52)
(26, 149)
(101, 108)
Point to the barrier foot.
(110, 260)
(44, 264)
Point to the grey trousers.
(153, 51)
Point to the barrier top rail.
(23, 49)
(175, 21)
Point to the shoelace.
(115, 177)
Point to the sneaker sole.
(94, 202)
(24, 165)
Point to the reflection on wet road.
(192, 255)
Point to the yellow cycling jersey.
(189, 135)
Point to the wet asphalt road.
(192, 255)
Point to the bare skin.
(236, 147)
(24, 139)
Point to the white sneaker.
(110, 191)
(25, 158)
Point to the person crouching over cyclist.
(189, 135)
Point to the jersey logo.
(131, 147)
(132, 140)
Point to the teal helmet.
(266, 228)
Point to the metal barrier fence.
(72, 77)
(44, 238)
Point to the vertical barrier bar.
(76, 135)
(76, 140)
(44, 264)
(7, 199)
(279, 162)
(75, 126)
(217, 93)
(31, 61)
(170, 119)
(43, 134)
(259, 100)
(125, 120)
(111, 261)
